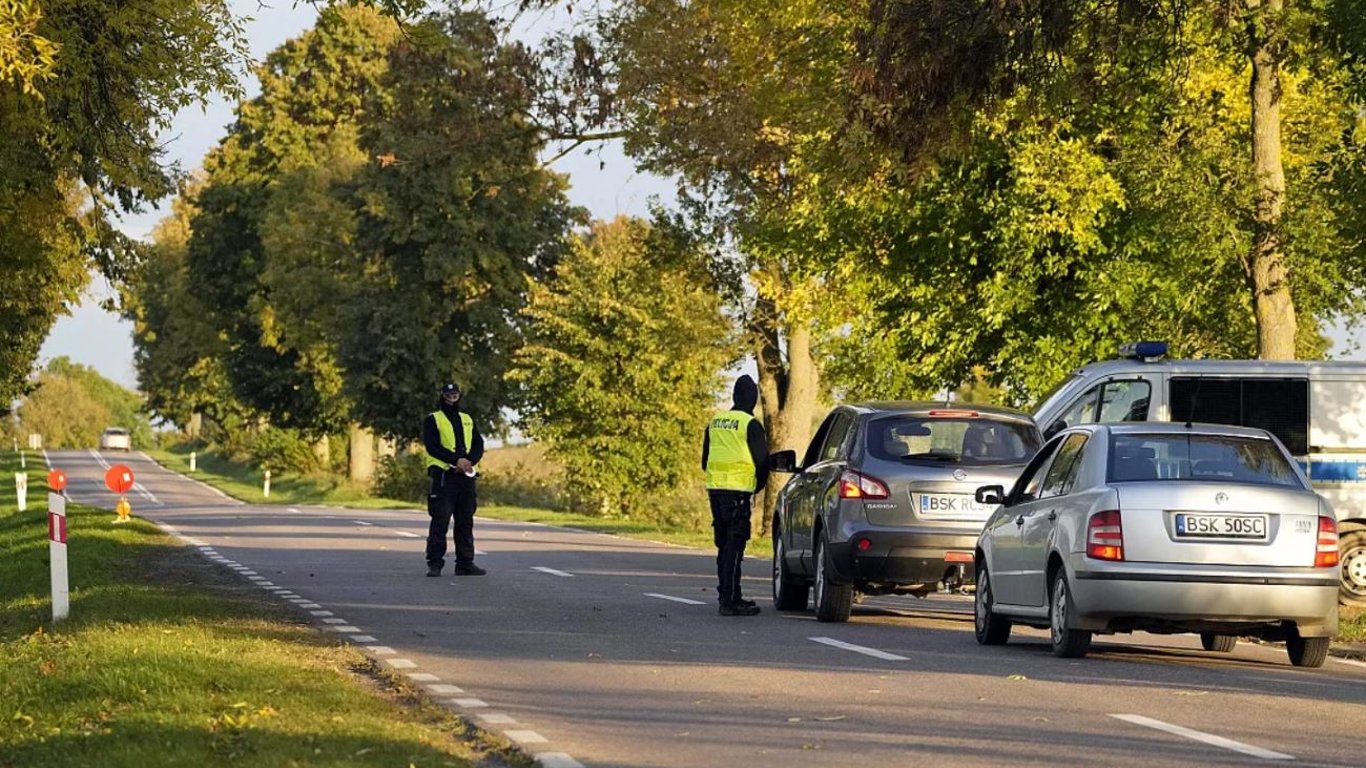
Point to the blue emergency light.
(1143, 350)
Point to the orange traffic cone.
(124, 510)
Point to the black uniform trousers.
(730, 528)
(451, 498)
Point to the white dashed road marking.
(550, 571)
(409, 535)
(445, 689)
(401, 663)
(381, 650)
(684, 600)
(422, 677)
(361, 522)
(556, 760)
(364, 639)
(875, 653)
(1351, 662)
(526, 737)
(320, 613)
(497, 718)
(468, 703)
(1207, 738)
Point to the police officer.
(453, 447)
(735, 457)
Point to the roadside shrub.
(281, 450)
(402, 477)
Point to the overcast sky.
(604, 182)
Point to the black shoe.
(469, 570)
(748, 603)
(433, 571)
(739, 609)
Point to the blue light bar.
(1143, 350)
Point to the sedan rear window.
(1216, 458)
(972, 441)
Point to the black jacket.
(431, 439)
(746, 396)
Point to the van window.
(1125, 401)
(1280, 406)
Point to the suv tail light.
(1105, 536)
(1326, 556)
(856, 485)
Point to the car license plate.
(951, 504)
(1189, 526)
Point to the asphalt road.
(601, 651)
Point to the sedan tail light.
(1105, 536)
(856, 485)
(1326, 556)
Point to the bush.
(281, 450)
(402, 477)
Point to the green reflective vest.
(447, 431)
(729, 465)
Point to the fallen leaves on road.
(1017, 677)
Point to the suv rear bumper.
(902, 556)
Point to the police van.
(1317, 409)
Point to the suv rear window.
(971, 441)
(1217, 458)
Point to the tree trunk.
(386, 447)
(362, 454)
(322, 452)
(1273, 305)
(195, 426)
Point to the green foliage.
(402, 477)
(73, 403)
(281, 450)
(621, 366)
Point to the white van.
(1317, 409)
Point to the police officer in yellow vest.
(735, 457)
(453, 446)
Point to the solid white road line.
(526, 737)
(556, 760)
(1207, 738)
(295, 511)
(550, 571)
(875, 653)
(1351, 662)
(684, 600)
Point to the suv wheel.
(833, 601)
(1067, 643)
(788, 594)
(990, 628)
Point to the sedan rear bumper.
(903, 557)
(1107, 599)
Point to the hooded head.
(450, 397)
(746, 394)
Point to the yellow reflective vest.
(447, 432)
(729, 464)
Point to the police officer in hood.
(735, 457)
(453, 447)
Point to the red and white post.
(56, 535)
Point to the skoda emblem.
(1220, 498)
(959, 474)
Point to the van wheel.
(1067, 643)
(788, 594)
(1218, 643)
(833, 601)
(1306, 651)
(1352, 549)
(990, 628)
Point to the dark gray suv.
(882, 503)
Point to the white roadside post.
(192, 457)
(21, 490)
(56, 534)
(265, 487)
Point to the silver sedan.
(1160, 527)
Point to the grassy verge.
(1352, 625)
(166, 662)
(244, 483)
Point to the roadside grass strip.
(1204, 738)
(170, 660)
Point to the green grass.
(167, 661)
(244, 483)
(1352, 625)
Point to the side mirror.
(783, 461)
(991, 494)
(1054, 429)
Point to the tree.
(73, 403)
(929, 67)
(624, 346)
(453, 213)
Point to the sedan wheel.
(833, 601)
(1218, 643)
(1353, 548)
(788, 595)
(990, 628)
(1067, 643)
(1306, 651)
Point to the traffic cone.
(124, 510)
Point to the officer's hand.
(463, 465)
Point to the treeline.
(70, 405)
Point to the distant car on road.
(116, 438)
(1160, 527)
(882, 502)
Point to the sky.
(605, 182)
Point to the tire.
(1352, 551)
(1067, 643)
(1218, 643)
(833, 601)
(788, 594)
(989, 628)
(1306, 651)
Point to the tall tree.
(621, 364)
